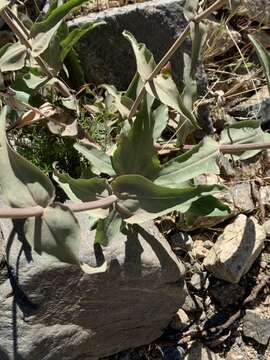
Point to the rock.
(199, 251)
(224, 294)
(180, 320)
(173, 352)
(236, 249)
(197, 280)
(258, 10)
(256, 326)
(266, 227)
(182, 241)
(192, 304)
(51, 310)
(200, 352)
(107, 57)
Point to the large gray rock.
(256, 326)
(54, 311)
(107, 56)
(236, 249)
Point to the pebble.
(198, 279)
(180, 320)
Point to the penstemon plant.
(129, 185)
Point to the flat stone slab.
(107, 57)
(52, 310)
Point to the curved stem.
(35, 211)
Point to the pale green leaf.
(122, 102)
(202, 159)
(108, 228)
(57, 234)
(55, 16)
(83, 190)
(12, 57)
(161, 117)
(42, 40)
(206, 206)
(144, 58)
(135, 153)
(75, 35)
(22, 184)
(144, 200)
(264, 58)
(244, 132)
(163, 88)
(99, 160)
(191, 9)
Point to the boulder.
(107, 57)
(236, 249)
(52, 310)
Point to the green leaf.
(42, 32)
(57, 234)
(108, 228)
(122, 102)
(22, 184)
(244, 132)
(4, 3)
(135, 153)
(202, 159)
(100, 161)
(55, 16)
(163, 88)
(144, 58)
(206, 206)
(134, 87)
(75, 35)
(264, 58)
(83, 190)
(191, 9)
(144, 200)
(12, 57)
(75, 70)
(161, 117)
(42, 40)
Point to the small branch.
(23, 34)
(217, 5)
(36, 211)
(226, 149)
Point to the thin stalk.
(203, 15)
(23, 34)
(225, 148)
(37, 211)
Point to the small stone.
(208, 244)
(180, 321)
(256, 326)
(197, 280)
(199, 251)
(236, 249)
(263, 264)
(266, 226)
(192, 304)
(182, 241)
(198, 351)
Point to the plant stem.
(23, 34)
(217, 5)
(36, 211)
(225, 148)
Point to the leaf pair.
(57, 231)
